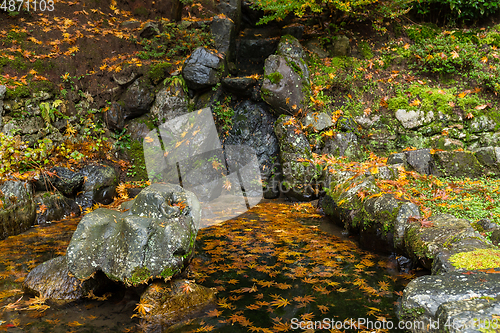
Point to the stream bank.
(270, 265)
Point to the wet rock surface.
(64, 180)
(253, 126)
(448, 296)
(298, 179)
(18, 211)
(202, 69)
(99, 185)
(154, 238)
(54, 207)
(52, 280)
(168, 303)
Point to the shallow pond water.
(274, 269)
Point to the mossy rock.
(159, 72)
(153, 239)
(456, 164)
(445, 231)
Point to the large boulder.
(99, 185)
(299, 176)
(286, 84)
(203, 69)
(52, 280)
(442, 262)
(253, 126)
(153, 239)
(18, 210)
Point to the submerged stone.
(167, 303)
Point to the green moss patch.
(425, 98)
(478, 259)
(275, 77)
(140, 275)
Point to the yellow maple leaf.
(74, 324)
(416, 102)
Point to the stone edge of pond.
(450, 299)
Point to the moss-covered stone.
(457, 164)
(424, 242)
(159, 72)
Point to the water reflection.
(272, 266)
